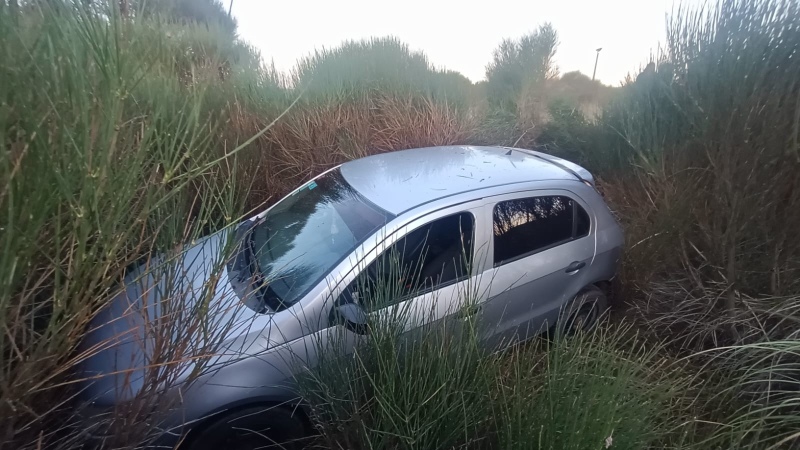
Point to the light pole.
(595, 62)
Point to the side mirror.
(351, 316)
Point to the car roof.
(401, 180)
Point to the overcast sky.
(460, 35)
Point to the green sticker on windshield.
(312, 185)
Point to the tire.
(584, 311)
(258, 427)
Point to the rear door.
(541, 247)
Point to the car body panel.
(430, 174)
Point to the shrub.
(711, 132)
(604, 389)
(108, 163)
(753, 393)
(124, 135)
(519, 66)
(205, 12)
(361, 68)
(567, 133)
(436, 386)
(701, 166)
(434, 390)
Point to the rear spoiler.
(579, 172)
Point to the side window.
(527, 225)
(429, 257)
(582, 222)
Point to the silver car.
(525, 232)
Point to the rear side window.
(529, 225)
(581, 221)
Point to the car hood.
(172, 318)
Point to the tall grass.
(108, 160)
(604, 389)
(598, 390)
(438, 386)
(356, 68)
(710, 133)
(358, 99)
(122, 135)
(699, 153)
(760, 381)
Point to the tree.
(211, 12)
(518, 64)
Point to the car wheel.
(260, 427)
(585, 310)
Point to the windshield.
(307, 234)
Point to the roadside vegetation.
(131, 128)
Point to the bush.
(108, 162)
(605, 389)
(437, 387)
(124, 135)
(598, 390)
(518, 64)
(205, 12)
(386, 65)
(757, 393)
(567, 133)
(710, 132)
(701, 167)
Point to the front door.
(423, 277)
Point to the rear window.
(529, 225)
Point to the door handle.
(575, 266)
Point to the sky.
(460, 35)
